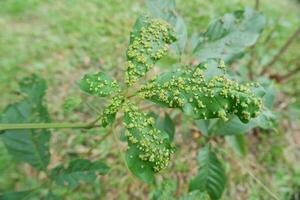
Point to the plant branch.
(282, 50)
(4, 127)
(291, 73)
(271, 32)
(256, 4)
(282, 78)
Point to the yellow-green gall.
(149, 42)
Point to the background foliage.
(62, 40)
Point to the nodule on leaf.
(149, 148)
(202, 98)
(109, 113)
(99, 84)
(149, 41)
(165, 9)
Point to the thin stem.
(45, 126)
(254, 177)
(250, 63)
(109, 132)
(262, 184)
(282, 50)
(252, 52)
(91, 124)
(93, 108)
(256, 4)
(100, 141)
(271, 32)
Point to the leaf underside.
(77, 171)
(228, 36)
(31, 146)
(211, 175)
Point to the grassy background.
(62, 40)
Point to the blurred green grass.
(63, 39)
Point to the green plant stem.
(109, 132)
(4, 127)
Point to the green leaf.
(168, 126)
(23, 195)
(165, 9)
(165, 124)
(211, 175)
(164, 190)
(202, 126)
(181, 32)
(161, 8)
(149, 149)
(269, 98)
(77, 171)
(33, 88)
(109, 113)
(229, 35)
(238, 144)
(149, 42)
(99, 84)
(196, 195)
(140, 168)
(31, 146)
(235, 127)
(52, 196)
(232, 127)
(72, 103)
(202, 96)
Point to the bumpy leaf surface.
(230, 35)
(99, 84)
(149, 41)
(211, 176)
(149, 148)
(201, 96)
(31, 146)
(165, 9)
(109, 113)
(78, 171)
